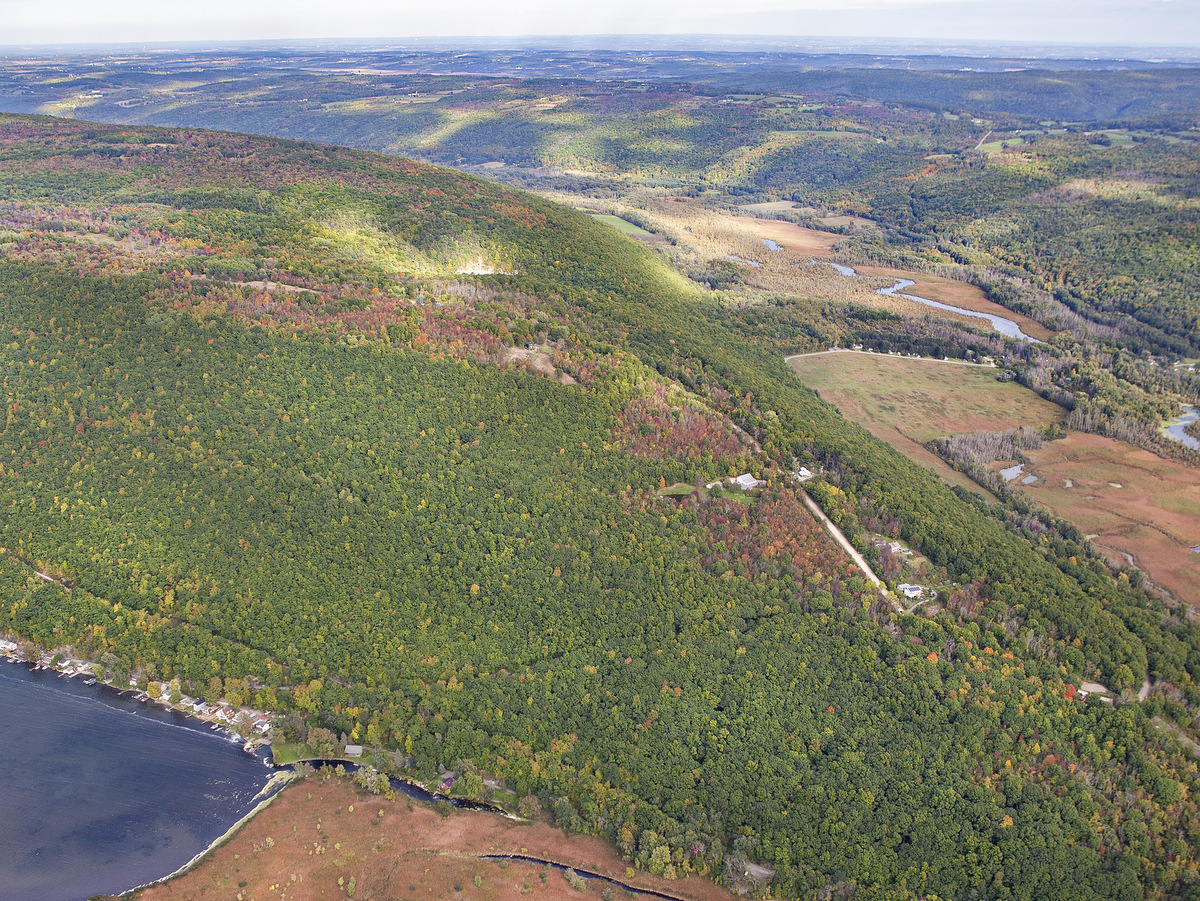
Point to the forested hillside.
(271, 417)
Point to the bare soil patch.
(319, 832)
(1154, 517)
(539, 360)
(959, 294)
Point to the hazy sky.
(1168, 22)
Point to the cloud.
(1067, 21)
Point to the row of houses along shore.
(244, 723)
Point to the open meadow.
(907, 402)
(1141, 508)
(328, 839)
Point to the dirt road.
(841, 540)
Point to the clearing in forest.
(907, 401)
(1153, 516)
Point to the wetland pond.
(103, 793)
(1175, 429)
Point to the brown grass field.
(960, 294)
(316, 832)
(906, 402)
(1153, 517)
(794, 237)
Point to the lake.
(102, 793)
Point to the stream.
(1006, 327)
(1175, 430)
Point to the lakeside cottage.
(354, 750)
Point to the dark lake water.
(101, 793)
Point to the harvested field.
(959, 294)
(907, 402)
(1154, 516)
(317, 833)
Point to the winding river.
(1006, 327)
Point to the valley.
(417, 459)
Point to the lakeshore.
(320, 830)
(104, 791)
(218, 716)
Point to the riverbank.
(972, 305)
(1176, 429)
(961, 295)
(271, 791)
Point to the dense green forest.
(266, 420)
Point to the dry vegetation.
(907, 402)
(1143, 509)
(318, 835)
(959, 294)
(703, 235)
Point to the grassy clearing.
(622, 225)
(907, 402)
(923, 398)
(679, 489)
(683, 489)
(774, 206)
(289, 752)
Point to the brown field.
(907, 402)
(1154, 517)
(795, 237)
(960, 294)
(316, 832)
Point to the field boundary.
(867, 353)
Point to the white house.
(910, 591)
(746, 481)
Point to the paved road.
(841, 540)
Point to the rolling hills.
(266, 419)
